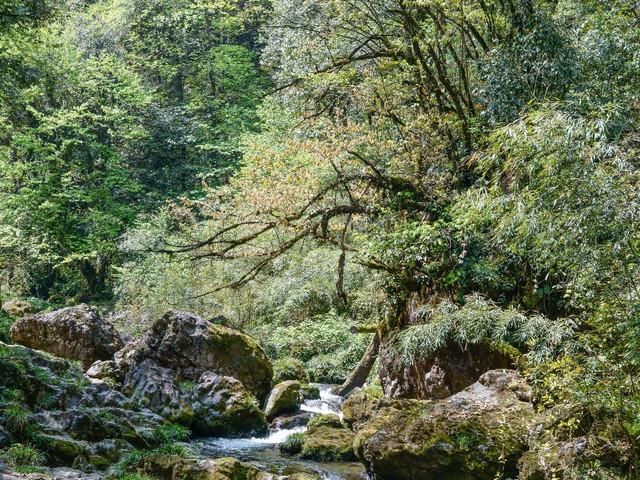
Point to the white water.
(264, 452)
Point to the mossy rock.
(328, 444)
(175, 467)
(310, 392)
(62, 450)
(329, 420)
(472, 435)
(360, 405)
(284, 398)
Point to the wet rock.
(284, 398)
(328, 420)
(447, 371)
(223, 407)
(287, 422)
(189, 346)
(310, 392)
(360, 406)
(472, 435)
(75, 333)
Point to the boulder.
(284, 398)
(472, 435)
(551, 460)
(154, 387)
(170, 467)
(189, 346)
(325, 442)
(360, 405)
(287, 422)
(448, 371)
(75, 333)
(223, 407)
(18, 308)
(105, 370)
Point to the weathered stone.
(284, 398)
(472, 435)
(327, 443)
(190, 346)
(287, 422)
(550, 461)
(169, 467)
(447, 371)
(155, 388)
(223, 407)
(75, 333)
(18, 308)
(105, 370)
(359, 407)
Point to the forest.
(320, 239)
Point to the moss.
(310, 392)
(327, 444)
(331, 420)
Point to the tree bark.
(360, 374)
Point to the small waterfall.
(264, 452)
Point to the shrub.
(289, 369)
(16, 418)
(5, 325)
(170, 433)
(23, 455)
(293, 444)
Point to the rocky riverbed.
(194, 399)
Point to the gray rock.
(75, 333)
(284, 398)
(154, 387)
(222, 406)
(189, 346)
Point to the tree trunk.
(360, 374)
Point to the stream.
(264, 452)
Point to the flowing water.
(264, 452)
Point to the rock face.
(72, 420)
(223, 407)
(204, 376)
(189, 346)
(284, 398)
(448, 371)
(469, 436)
(75, 333)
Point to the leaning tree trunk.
(360, 374)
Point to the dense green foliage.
(443, 171)
(109, 110)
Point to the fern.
(479, 320)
